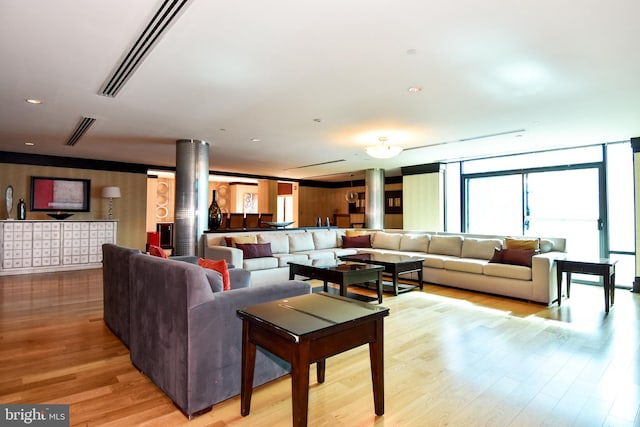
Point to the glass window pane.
(620, 194)
(566, 204)
(494, 205)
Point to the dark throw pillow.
(363, 241)
(255, 250)
(513, 256)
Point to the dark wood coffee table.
(394, 265)
(341, 274)
(604, 267)
(307, 329)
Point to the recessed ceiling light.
(29, 143)
(317, 120)
(34, 101)
(415, 89)
(255, 140)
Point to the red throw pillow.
(219, 265)
(157, 251)
(363, 241)
(255, 250)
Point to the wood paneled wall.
(130, 210)
(324, 202)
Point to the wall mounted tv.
(60, 194)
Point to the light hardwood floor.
(452, 358)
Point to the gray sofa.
(115, 286)
(187, 338)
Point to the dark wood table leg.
(379, 287)
(300, 384)
(320, 367)
(394, 278)
(607, 288)
(376, 354)
(613, 283)
(248, 366)
(420, 276)
(559, 277)
(325, 286)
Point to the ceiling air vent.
(82, 127)
(165, 15)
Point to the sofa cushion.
(382, 240)
(414, 243)
(363, 241)
(508, 271)
(519, 243)
(279, 242)
(465, 265)
(215, 280)
(285, 259)
(253, 264)
(446, 245)
(221, 267)
(255, 250)
(433, 261)
(479, 248)
(324, 239)
(300, 242)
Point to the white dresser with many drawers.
(40, 246)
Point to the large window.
(583, 194)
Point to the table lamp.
(111, 193)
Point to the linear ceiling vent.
(316, 164)
(472, 138)
(82, 127)
(165, 15)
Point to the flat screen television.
(60, 194)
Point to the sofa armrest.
(543, 275)
(215, 343)
(233, 256)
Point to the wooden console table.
(604, 267)
(307, 329)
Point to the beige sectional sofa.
(452, 259)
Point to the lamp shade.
(383, 151)
(111, 192)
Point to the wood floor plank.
(452, 357)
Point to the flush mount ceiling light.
(383, 150)
(34, 101)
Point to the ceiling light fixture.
(415, 89)
(34, 101)
(384, 150)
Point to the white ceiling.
(318, 81)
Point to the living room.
(468, 98)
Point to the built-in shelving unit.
(41, 246)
